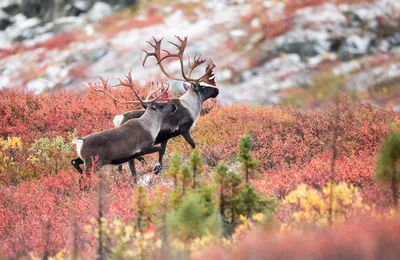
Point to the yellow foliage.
(9, 148)
(122, 240)
(61, 255)
(200, 245)
(334, 204)
(11, 143)
(395, 126)
(247, 225)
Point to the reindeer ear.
(186, 85)
(194, 86)
(144, 105)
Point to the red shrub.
(31, 116)
(58, 42)
(42, 215)
(292, 147)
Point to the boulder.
(305, 50)
(82, 5)
(39, 85)
(355, 46)
(4, 20)
(98, 11)
(8, 3)
(23, 28)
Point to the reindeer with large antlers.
(136, 136)
(189, 105)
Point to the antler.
(160, 86)
(157, 55)
(197, 61)
(207, 77)
(147, 100)
(105, 91)
(129, 84)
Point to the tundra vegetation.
(262, 182)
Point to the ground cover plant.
(258, 174)
(313, 177)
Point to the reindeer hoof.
(141, 159)
(157, 169)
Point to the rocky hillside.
(291, 52)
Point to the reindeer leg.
(88, 165)
(141, 159)
(133, 170)
(158, 166)
(132, 165)
(154, 149)
(188, 138)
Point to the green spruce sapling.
(197, 165)
(174, 168)
(244, 156)
(142, 208)
(386, 160)
(185, 178)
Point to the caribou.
(189, 104)
(123, 143)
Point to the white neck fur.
(191, 101)
(148, 122)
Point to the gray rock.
(5, 20)
(23, 28)
(355, 46)
(98, 11)
(83, 5)
(305, 50)
(4, 41)
(53, 72)
(8, 3)
(39, 85)
(97, 54)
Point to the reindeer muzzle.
(215, 93)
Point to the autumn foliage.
(43, 212)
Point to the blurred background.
(290, 52)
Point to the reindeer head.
(163, 108)
(204, 92)
(149, 103)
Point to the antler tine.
(130, 85)
(208, 76)
(182, 41)
(163, 90)
(197, 61)
(156, 52)
(157, 55)
(108, 94)
(179, 55)
(152, 91)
